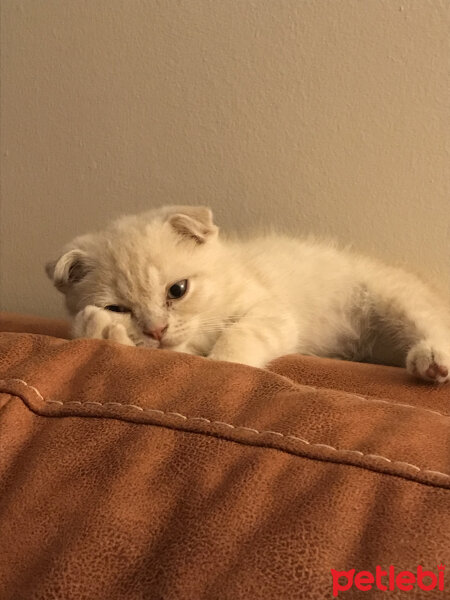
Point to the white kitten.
(165, 279)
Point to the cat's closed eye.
(117, 308)
(177, 290)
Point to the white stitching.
(388, 402)
(203, 419)
(274, 432)
(368, 398)
(401, 404)
(240, 428)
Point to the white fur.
(249, 301)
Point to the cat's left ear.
(68, 269)
(195, 222)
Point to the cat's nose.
(157, 332)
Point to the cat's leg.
(263, 334)
(97, 323)
(419, 322)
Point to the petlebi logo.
(387, 580)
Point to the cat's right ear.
(68, 269)
(195, 222)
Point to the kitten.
(165, 279)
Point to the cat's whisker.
(235, 326)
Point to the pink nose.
(157, 332)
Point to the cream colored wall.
(317, 115)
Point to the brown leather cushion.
(33, 324)
(131, 473)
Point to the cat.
(166, 279)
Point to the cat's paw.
(117, 333)
(428, 363)
(90, 322)
(96, 323)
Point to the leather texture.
(144, 474)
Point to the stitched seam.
(402, 405)
(375, 400)
(390, 403)
(339, 451)
(365, 398)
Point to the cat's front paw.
(97, 323)
(428, 363)
(116, 332)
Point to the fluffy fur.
(248, 301)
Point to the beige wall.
(317, 115)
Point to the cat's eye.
(117, 308)
(177, 290)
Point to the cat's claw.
(425, 362)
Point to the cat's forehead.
(145, 257)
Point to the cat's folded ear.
(195, 222)
(68, 269)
